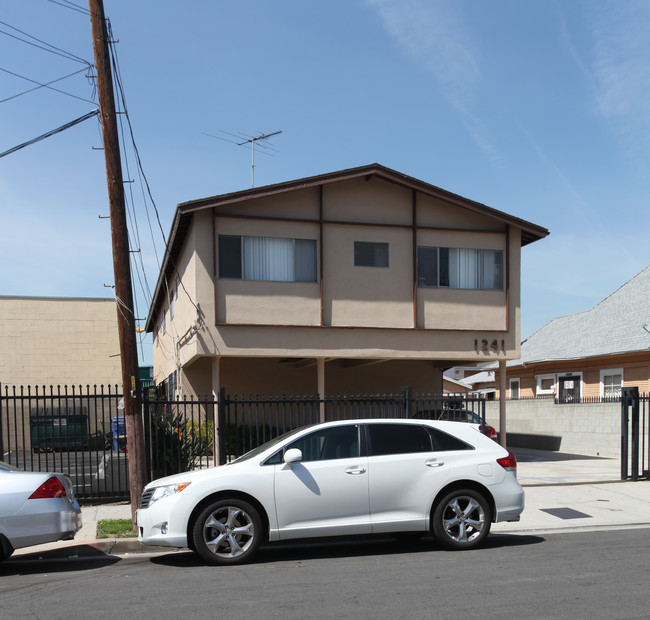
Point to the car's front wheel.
(462, 519)
(227, 532)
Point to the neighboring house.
(591, 354)
(451, 386)
(54, 341)
(359, 281)
(482, 383)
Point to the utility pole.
(121, 257)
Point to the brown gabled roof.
(529, 232)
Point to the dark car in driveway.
(460, 415)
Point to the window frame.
(360, 249)
(443, 261)
(226, 270)
(611, 372)
(516, 380)
(539, 391)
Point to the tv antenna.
(243, 139)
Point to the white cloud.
(621, 68)
(433, 34)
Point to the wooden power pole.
(121, 257)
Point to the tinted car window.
(443, 442)
(339, 442)
(398, 439)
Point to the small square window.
(370, 254)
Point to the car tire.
(461, 519)
(228, 531)
(6, 550)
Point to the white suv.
(339, 478)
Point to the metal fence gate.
(81, 431)
(78, 431)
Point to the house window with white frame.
(514, 389)
(545, 385)
(460, 268)
(269, 259)
(611, 382)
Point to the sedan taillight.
(52, 487)
(508, 462)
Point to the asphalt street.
(568, 575)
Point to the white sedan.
(35, 508)
(339, 478)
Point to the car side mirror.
(293, 455)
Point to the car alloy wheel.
(462, 519)
(227, 532)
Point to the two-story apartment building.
(359, 281)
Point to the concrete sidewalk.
(563, 493)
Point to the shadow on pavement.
(78, 558)
(529, 455)
(318, 549)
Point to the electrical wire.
(22, 77)
(118, 82)
(46, 85)
(51, 133)
(66, 4)
(52, 49)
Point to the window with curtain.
(270, 259)
(461, 268)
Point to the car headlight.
(167, 490)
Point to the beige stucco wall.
(353, 312)
(58, 341)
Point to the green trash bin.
(59, 431)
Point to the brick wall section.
(589, 429)
(58, 341)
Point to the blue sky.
(540, 109)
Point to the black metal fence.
(635, 434)
(81, 431)
(76, 430)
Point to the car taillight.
(489, 431)
(508, 462)
(52, 487)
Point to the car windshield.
(265, 446)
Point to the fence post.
(629, 398)
(146, 424)
(221, 426)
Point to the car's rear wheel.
(5, 549)
(462, 519)
(227, 531)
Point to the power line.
(40, 85)
(47, 84)
(70, 5)
(52, 49)
(51, 133)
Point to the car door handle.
(434, 463)
(355, 471)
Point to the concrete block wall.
(589, 429)
(58, 341)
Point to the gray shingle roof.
(618, 324)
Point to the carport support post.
(502, 403)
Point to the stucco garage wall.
(590, 429)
